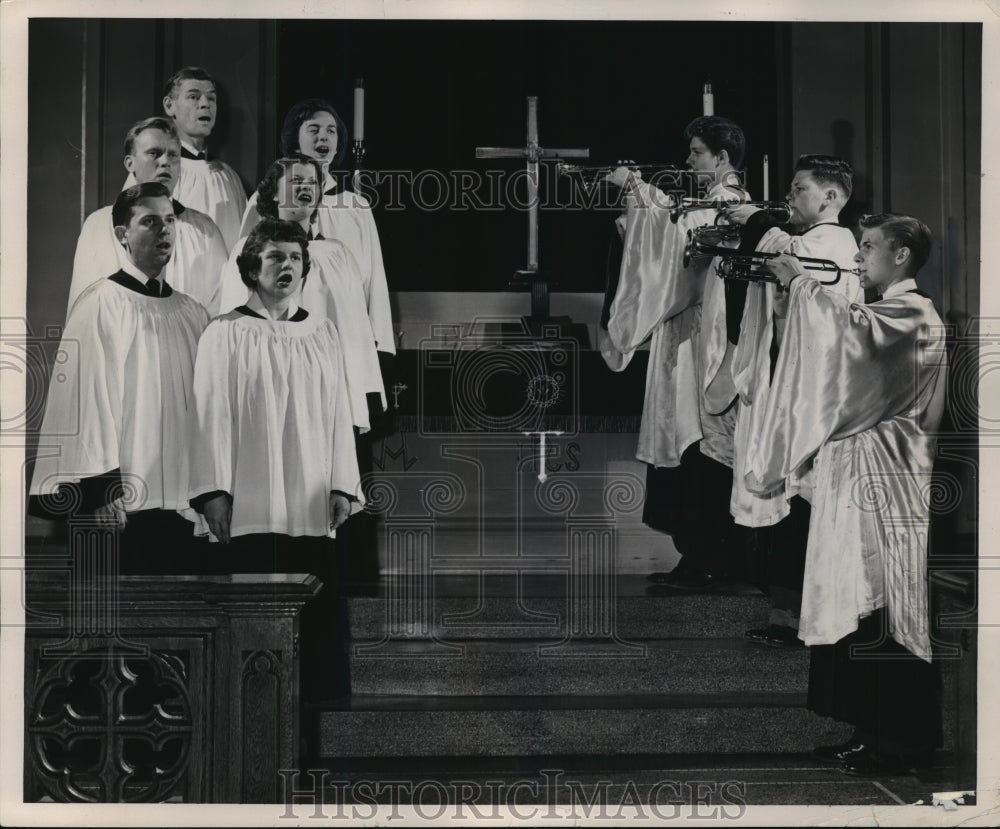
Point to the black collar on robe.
(190, 156)
(298, 316)
(128, 281)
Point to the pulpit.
(186, 691)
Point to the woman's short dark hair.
(302, 112)
(903, 232)
(267, 190)
(121, 210)
(719, 134)
(828, 169)
(269, 230)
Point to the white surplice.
(121, 399)
(659, 299)
(195, 265)
(347, 218)
(272, 424)
(751, 368)
(332, 290)
(861, 390)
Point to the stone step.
(499, 726)
(456, 609)
(531, 667)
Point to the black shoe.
(776, 636)
(871, 763)
(844, 752)
(685, 577)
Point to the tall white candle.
(707, 100)
(767, 183)
(359, 109)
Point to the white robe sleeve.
(376, 287)
(83, 412)
(211, 445)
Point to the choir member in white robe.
(207, 184)
(687, 447)
(859, 393)
(313, 128)
(153, 153)
(820, 188)
(290, 192)
(115, 432)
(273, 464)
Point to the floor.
(619, 786)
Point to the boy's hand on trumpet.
(785, 268)
(738, 214)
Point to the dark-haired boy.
(687, 448)
(206, 184)
(820, 188)
(119, 414)
(858, 393)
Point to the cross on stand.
(532, 152)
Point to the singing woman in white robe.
(290, 191)
(273, 428)
(313, 128)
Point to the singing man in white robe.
(291, 192)
(114, 436)
(206, 183)
(313, 128)
(687, 446)
(859, 392)
(273, 464)
(153, 153)
(821, 186)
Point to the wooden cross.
(532, 152)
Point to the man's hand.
(785, 268)
(340, 509)
(738, 214)
(219, 515)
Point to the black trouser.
(691, 503)
(890, 696)
(781, 552)
(323, 620)
(162, 542)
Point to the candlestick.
(767, 181)
(359, 109)
(707, 100)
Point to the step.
(498, 726)
(527, 667)
(457, 608)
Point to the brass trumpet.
(750, 267)
(777, 209)
(593, 174)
